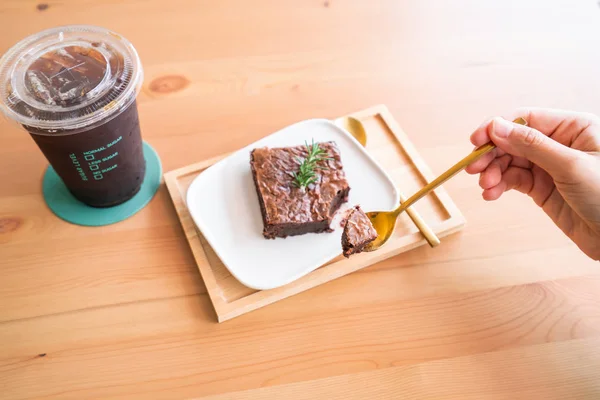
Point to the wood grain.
(121, 311)
(548, 371)
(193, 356)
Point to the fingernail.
(501, 127)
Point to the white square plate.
(224, 205)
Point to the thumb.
(523, 141)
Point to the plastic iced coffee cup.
(74, 90)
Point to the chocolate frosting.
(284, 202)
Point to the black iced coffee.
(73, 89)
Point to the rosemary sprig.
(307, 171)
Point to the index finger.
(549, 120)
(562, 125)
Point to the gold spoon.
(357, 129)
(384, 222)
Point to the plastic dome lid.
(69, 78)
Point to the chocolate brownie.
(357, 233)
(288, 210)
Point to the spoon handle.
(426, 231)
(455, 169)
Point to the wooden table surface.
(508, 308)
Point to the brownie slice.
(358, 232)
(288, 210)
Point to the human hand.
(555, 160)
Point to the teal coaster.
(66, 206)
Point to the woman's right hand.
(555, 160)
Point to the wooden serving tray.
(390, 146)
